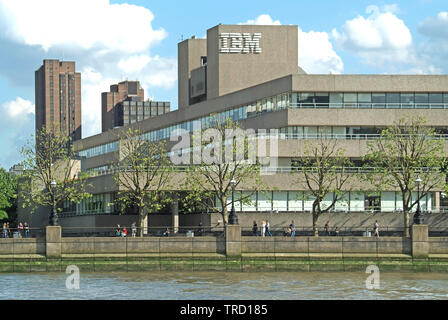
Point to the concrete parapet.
(420, 241)
(53, 239)
(233, 240)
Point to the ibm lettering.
(235, 42)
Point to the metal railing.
(273, 169)
(17, 233)
(368, 105)
(341, 231)
(158, 231)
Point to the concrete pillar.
(233, 240)
(437, 201)
(175, 213)
(145, 224)
(420, 241)
(53, 238)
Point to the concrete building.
(251, 74)
(125, 104)
(58, 97)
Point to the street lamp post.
(418, 217)
(54, 213)
(233, 218)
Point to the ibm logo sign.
(235, 42)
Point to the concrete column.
(436, 201)
(233, 240)
(53, 237)
(420, 241)
(145, 224)
(175, 213)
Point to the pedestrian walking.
(263, 228)
(20, 229)
(293, 229)
(133, 229)
(118, 231)
(268, 228)
(376, 230)
(27, 229)
(4, 231)
(327, 228)
(201, 229)
(336, 231)
(255, 229)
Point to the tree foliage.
(144, 174)
(405, 151)
(324, 169)
(228, 157)
(8, 193)
(51, 157)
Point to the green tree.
(407, 150)
(225, 156)
(325, 171)
(8, 193)
(143, 176)
(50, 157)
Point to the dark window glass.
(365, 100)
(436, 100)
(393, 100)
(306, 99)
(378, 100)
(407, 100)
(421, 100)
(322, 99)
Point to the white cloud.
(16, 109)
(81, 23)
(108, 42)
(435, 27)
(378, 38)
(16, 128)
(263, 19)
(316, 53)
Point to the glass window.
(336, 100)
(310, 132)
(295, 201)
(365, 100)
(293, 100)
(270, 106)
(421, 100)
(280, 201)
(325, 132)
(322, 100)
(306, 99)
(350, 100)
(445, 98)
(436, 100)
(339, 132)
(407, 100)
(378, 100)
(393, 100)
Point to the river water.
(222, 285)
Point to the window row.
(302, 201)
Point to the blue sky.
(114, 40)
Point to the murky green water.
(221, 285)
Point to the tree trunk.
(315, 218)
(406, 222)
(224, 211)
(141, 220)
